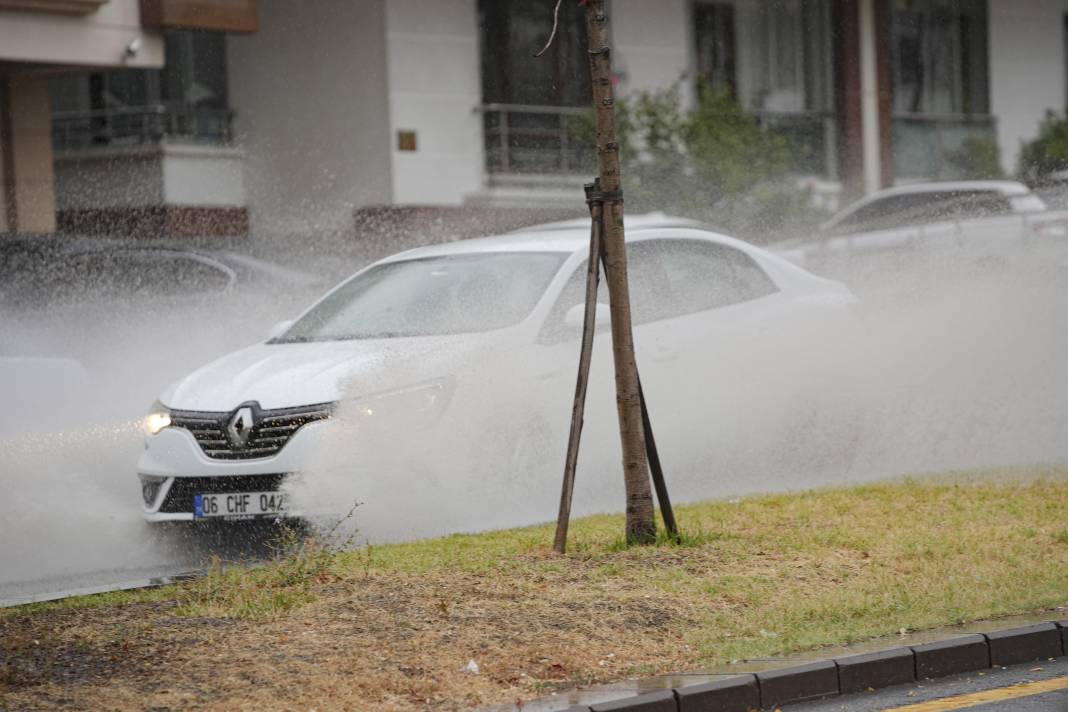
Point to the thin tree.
(608, 241)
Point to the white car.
(948, 223)
(479, 339)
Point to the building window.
(1064, 40)
(716, 52)
(941, 84)
(940, 57)
(527, 102)
(185, 100)
(774, 57)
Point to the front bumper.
(173, 468)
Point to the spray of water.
(951, 366)
(966, 370)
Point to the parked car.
(982, 221)
(475, 342)
(45, 271)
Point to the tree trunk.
(641, 524)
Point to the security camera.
(133, 48)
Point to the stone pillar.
(863, 95)
(27, 180)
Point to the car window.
(882, 213)
(186, 274)
(920, 208)
(455, 294)
(111, 274)
(706, 275)
(670, 278)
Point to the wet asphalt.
(955, 690)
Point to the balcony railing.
(536, 139)
(929, 145)
(523, 139)
(140, 125)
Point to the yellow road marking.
(1025, 689)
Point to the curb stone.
(852, 673)
(735, 694)
(965, 653)
(1025, 645)
(871, 671)
(798, 684)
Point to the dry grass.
(393, 627)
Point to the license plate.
(239, 505)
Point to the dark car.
(42, 271)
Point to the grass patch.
(393, 627)
(280, 585)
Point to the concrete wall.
(1027, 69)
(97, 38)
(434, 90)
(312, 116)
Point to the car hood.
(288, 375)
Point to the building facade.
(276, 117)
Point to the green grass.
(749, 578)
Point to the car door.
(702, 343)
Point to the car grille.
(180, 496)
(271, 430)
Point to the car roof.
(1005, 187)
(556, 240)
(636, 221)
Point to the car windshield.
(440, 295)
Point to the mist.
(78, 381)
(953, 368)
(965, 371)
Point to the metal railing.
(536, 139)
(929, 145)
(525, 139)
(140, 125)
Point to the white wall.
(653, 44)
(1027, 69)
(171, 174)
(434, 90)
(203, 176)
(97, 38)
(312, 115)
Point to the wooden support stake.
(589, 325)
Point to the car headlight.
(158, 418)
(420, 404)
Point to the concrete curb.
(854, 673)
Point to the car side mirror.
(576, 314)
(279, 329)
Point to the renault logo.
(240, 426)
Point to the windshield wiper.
(375, 335)
(294, 340)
